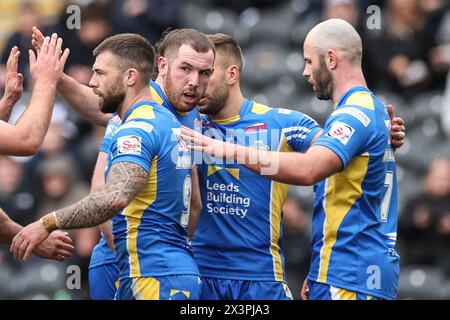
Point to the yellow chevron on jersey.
(233, 171)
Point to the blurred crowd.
(406, 62)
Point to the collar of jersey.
(137, 105)
(245, 109)
(349, 92)
(166, 102)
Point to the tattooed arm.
(125, 180)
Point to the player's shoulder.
(152, 112)
(353, 112)
(365, 100)
(259, 108)
(149, 117)
(361, 98)
(288, 116)
(262, 109)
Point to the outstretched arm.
(27, 135)
(80, 97)
(287, 167)
(124, 182)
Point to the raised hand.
(14, 80)
(37, 39)
(49, 64)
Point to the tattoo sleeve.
(125, 180)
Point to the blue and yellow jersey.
(150, 233)
(102, 254)
(355, 211)
(239, 231)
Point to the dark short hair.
(229, 47)
(133, 51)
(172, 40)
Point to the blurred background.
(406, 62)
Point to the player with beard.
(354, 225)
(244, 219)
(146, 192)
(185, 58)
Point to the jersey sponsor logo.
(284, 111)
(147, 127)
(256, 128)
(225, 198)
(341, 131)
(129, 145)
(358, 114)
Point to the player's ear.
(132, 76)
(233, 74)
(330, 59)
(162, 65)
